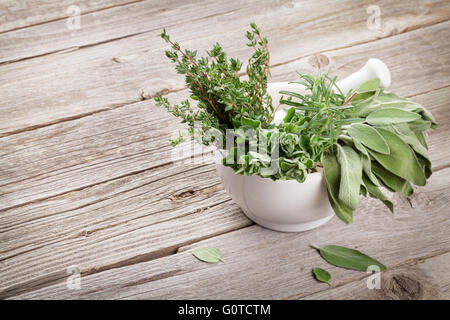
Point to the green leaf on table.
(210, 255)
(322, 275)
(375, 192)
(351, 171)
(348, 258)
(392, 181)
(401, 161)
(333, 180)
(387, 116)
(369, 137)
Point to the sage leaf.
(425, 164)
(333, 180)
(363, 189)
(429, 117)
(351, 171)
(408, 136)
(392, 100)
(365, 161)
(348, 258)
(421, 138)
(401, 161)
(367, 169)
(369, 137)
(387, 116)
(210, 255)
(375, 192)
(420, 125)
(322, 275)
(392, 181)
(413, 130)
(358, 145)
(369, 86)
(381, 100)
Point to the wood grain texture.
(19, 14)
(263, 264)
(423, 279)
(133, 19)
(132, 138)
(111, 74)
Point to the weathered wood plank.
(18, 14)
(124, 21)
(117, 246)
(109, 25)
(146, 198)
(263, 264)
(426, 279)
(80, 153)
(120, 72)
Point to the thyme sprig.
(223, 97)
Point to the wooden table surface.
(88, 178)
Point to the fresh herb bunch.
(224, 100)
(387, 148)
(308, 130)
(365, 140)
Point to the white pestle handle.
(374, 68)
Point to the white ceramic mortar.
(291, 206)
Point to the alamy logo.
(374, 20)
(73, 22)
(73, 282)
(374, 281)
